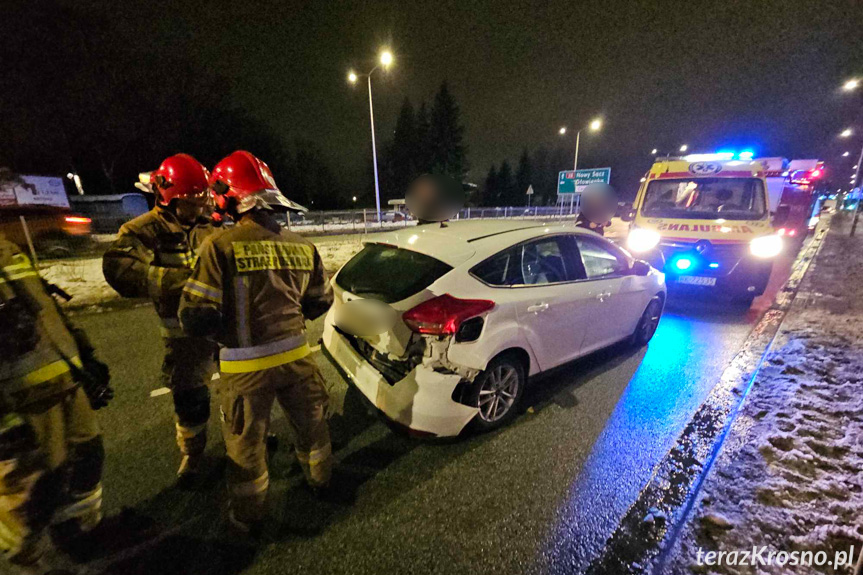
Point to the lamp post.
(851, 86)
(594, 126)
(855, 181)
(385, 59)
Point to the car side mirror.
(780, 217)
(640, 268)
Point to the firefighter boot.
(190, 468)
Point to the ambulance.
(705, 220)
(792, 196)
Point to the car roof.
(456, 242)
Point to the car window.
(542, 262)
(600, 259)
(389, 273)
(538, 262)
(502, 269)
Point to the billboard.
(33, 191)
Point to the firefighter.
(51, 451)
(152, 257)
(253, 287)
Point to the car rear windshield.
(706, 198)
(389, 273)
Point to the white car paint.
(552, 323)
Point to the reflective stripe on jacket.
(44, 367)
(265, 356)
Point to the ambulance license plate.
(697, 280)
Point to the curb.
(653, 522)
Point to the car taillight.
(444, 314)
(77, 220)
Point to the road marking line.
(160, 391)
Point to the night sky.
(761, 75)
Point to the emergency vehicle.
(705, 220)
(791, 194)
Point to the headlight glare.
(766, 246)
(641, 240)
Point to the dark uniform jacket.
(259, 283)
(152, 257)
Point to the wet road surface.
(540, 496)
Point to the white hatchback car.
(460, 314)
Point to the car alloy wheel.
(649, 321)
(498, 392)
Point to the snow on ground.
(82, 277)
(789, 476)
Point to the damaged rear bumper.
(421, 401)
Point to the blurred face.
(189, 210)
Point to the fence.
(367, 220)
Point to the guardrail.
(367, 220)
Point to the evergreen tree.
(505, 185)
(490, 193)
(446, 134)
(401, 161)
(523, 179)
(423, 127)
(545, 172)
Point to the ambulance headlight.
(641, 240)
(766, 246)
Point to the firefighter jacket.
(257, 283)
(152, 257)
(38, 344)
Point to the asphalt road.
(540, 496)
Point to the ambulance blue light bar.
(709, 157)
(745, 155)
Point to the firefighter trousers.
(56, 479)
(187, 369)
(246, 401)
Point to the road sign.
(529, 191)
(571, 182)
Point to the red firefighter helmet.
(248, 181)
(180, 176)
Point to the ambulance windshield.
(706, 198)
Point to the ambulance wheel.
(498, 392)
(648, 323)
(744, 300)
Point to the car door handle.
(537, 307)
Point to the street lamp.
(684, 147)
(653, 151)
(846, 154)
(851, 85)
(594, 126)
(846, 133)
(385, 60)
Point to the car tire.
(497, 392)
(648, 322)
